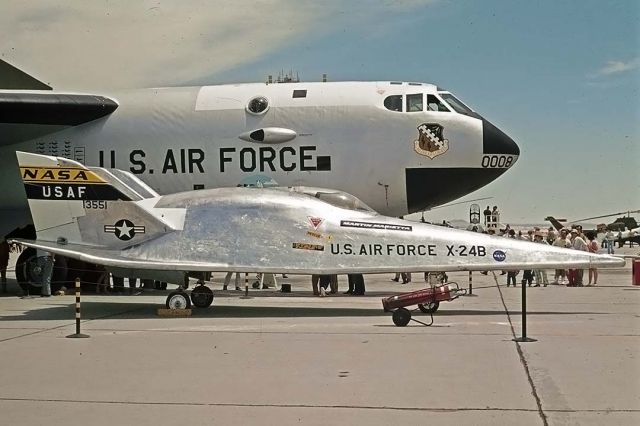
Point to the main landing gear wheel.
(401, 317)
(30, 268)
(178, 300)
(429, 308)
(202, 296)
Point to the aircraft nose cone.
(495, 141)
(433, 186)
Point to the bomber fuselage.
(400, 147)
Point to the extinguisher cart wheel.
(401, 317)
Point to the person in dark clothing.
(351, 287)
(118, 284)
(325, 281)
(133, 281)
(4, 262)
(487, 215)
(357, 281)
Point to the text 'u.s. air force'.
(364, 249)
(195, 160)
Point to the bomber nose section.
(495, 141)
(428, 187)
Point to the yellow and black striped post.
(77, 333)
(246, 287)
(470, 290)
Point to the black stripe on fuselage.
(429, 187)
(53, 108)
(66, 191)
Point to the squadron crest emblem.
(431, 141)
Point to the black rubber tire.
(178, 300)
(401, 317)
(21, 273)
(429, 308)
(29, 281)
(201, 296)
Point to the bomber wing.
(28, 107)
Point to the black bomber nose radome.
(495, 141)
(429, 187)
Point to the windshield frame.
(456, 104)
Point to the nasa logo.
(499, 256)
(44, 174)
(431, 141)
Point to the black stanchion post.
(524, 337)
(77, 333)
(246, 286)
(470, 290)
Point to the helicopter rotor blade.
(607, 215)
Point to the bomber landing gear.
(202, 296)
(178, 300)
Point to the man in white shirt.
(541, 274)
(560, 277)
(577, 243)
(609, 238)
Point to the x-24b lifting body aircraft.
(400, 147)
(111, 218)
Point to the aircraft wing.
(112, 258)
(131, 261)
(28, 107)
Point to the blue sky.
(560, 77)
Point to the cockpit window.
(343, 200)
(435, 104)
(393, 103)
(414, 102)
(457, 105)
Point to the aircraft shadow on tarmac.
(121, 310)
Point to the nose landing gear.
(178, 300)
(201, 296)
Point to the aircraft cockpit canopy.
(457, 104)
(339, 199)
(344, 201)
(419, 102)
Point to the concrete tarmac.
(298, 359)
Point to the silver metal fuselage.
(270, 230)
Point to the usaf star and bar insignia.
(124, 229)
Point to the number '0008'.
(496, 161)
